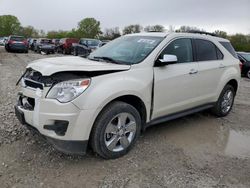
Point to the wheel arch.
(134, 101)
(234, 84)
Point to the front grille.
(33, 84)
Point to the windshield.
(246, 56)
(128, 49)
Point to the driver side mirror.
(167, 59)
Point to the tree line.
(90, 28)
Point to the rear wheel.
(225, 102)
(116, 130)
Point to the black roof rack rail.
(203, 32)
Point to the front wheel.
(116, 130)
(225, 102)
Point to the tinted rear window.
(229, 48)
(206, 50)
(93, 42)
(17, 38)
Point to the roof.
(150, 34)
(164, 34)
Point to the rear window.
(229, 48)
(17, 38)
(206, 50)
(93, 42)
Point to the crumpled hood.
(49, 66)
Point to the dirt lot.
(195, 151)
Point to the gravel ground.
(195, 151)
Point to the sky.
(232, 16)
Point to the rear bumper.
(78, 147)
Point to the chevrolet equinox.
(104, 101)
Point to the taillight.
(241, 65)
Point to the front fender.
(105, 88)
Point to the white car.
(135, 81)
(2, 41)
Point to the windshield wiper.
(109, 59)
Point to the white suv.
(138, 80)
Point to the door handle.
(193, 71)
(222, 66)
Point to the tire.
(225, 103)
(124, 138)
(248, 74)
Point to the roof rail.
(202, 32)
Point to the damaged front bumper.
(57, 122)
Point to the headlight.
(68, 90)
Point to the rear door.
(210, 68)
(175, 85)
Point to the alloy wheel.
(227, 101)
(120, 132)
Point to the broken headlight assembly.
(66, 91)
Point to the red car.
(65, 45)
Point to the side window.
(205, 50)
(182, 48)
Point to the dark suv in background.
(85, 46)
(32, 43)
(65, 45)
(17, 43)
(244, 58)
(44, 45)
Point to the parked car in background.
(32, 43)
(138, 80)
(44, 45)
(56, 42)
(65, 45)
(244, 58)
(2, 41)
(85, 46)
(16, 43)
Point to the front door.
(175, 85)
